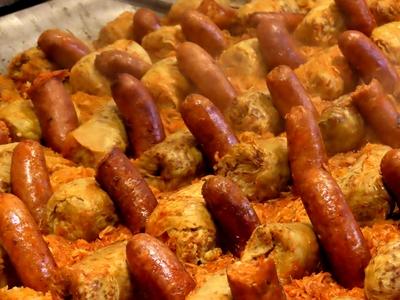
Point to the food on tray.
(222, 151)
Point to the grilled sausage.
(287, 91)
(208, 126)
(200, 30)
(232, 212)
(54, 109)
(144, 21)
(291, 20)
(368, 60)
(276, 44)
(390, 169)
(28, 252)
(357, 15)
(30, 180)
(113, 62)
(255, 280)
(330, 215)
(5, 137)
(379, 112)
(156, 270)
(62, 48)
(196, 64)
(123, 182)
(139, 113)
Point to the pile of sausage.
(207, 29)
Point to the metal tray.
(19, 31)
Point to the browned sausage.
(255, 280)
(139, 113)
(222, 15)
(291, 20)
(113, 62)
(379, 112)
(368, 60)
(54, 109)
(357, 15)
(28, 252)
(144, 21)
(123, 182)
(390, 169)
(208, 126)
(196, 64)
(62, 48)
(276, 44)
(158, 273)
(231, 211)
(326, 206)
(287, 91)
(30, 180)
(4, 133)
(200, 30)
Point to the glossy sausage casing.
(61, 47)
(208, 126)
(291, 20)
(30, 180)
(390, 169)
(326, 206)
(28, 252)
(196, 64)
(139, 113)
(125, 185)
(156, 270)
(232, 212)
(144, 21)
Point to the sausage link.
(255, 280)
(196, 64)
(357, 15)
(62, 48)
(139, 113)
(54, 109)
(113, 62)
(326, 206)
(200, 30)
(276, 44)
(28, 252)
(126, 186)
(368, 60)
(30, 180)
(224, 16)
(208, 126)
(144, 21)
(156, 269)
(5, 135)
(291, 20)
(287, 91)
(231, 211)
(390, 169)
(379, 112)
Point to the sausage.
(208, 126)
(390, 169)
(255, 280)
(5, 135)
(113, 62)
(326, 206)
(357, 15)
(126, 186)
(196, 64)
(156, 269)
(144, 21)
(231, 211)
(379, 112)
(200, 30)
(28, 252)
(62, 48)
(368, 60)
(139, 113)
(224, 16)
(287, 91)
(276, 44)
(291, 20)
(54, 109)
(30, 180)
